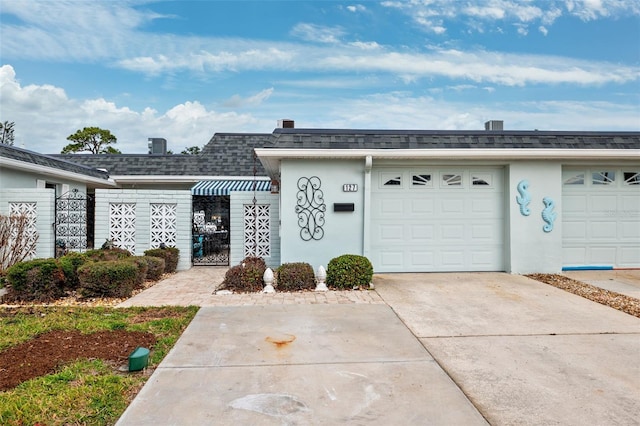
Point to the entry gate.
(74, 222)
(211, 230)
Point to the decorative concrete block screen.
(257, 231)
(163, 224)
(28, 210)
(122, 225)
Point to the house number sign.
(350, 187)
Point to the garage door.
(437, 219)
(601, 217)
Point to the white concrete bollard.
(268, 281)
(321, 276)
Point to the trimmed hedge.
(349, 271)
(39, 280)
(100, 255)
(170, 256)
(111, 278)
(295, 277)
(155, 267)
(142, 266)
(70, 263)
(246, 277)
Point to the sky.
(184, 70)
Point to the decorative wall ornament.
(29, 210)
(310, 208)
(71, 220)
(122, 225)
(524, 198)
(548, 215)
(163, 224)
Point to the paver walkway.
(197, 286)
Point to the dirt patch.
(621, 302)
(46, 352)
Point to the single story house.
(411, 201)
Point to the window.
(421, 180)
(481, 180)
(395, 181)
(575, 179)
(603, 178)
(451, 179)
(631, 178)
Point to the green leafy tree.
(6, 132)
(91, 139)
(192, 150)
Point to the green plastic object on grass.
(138, 359)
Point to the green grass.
(87, 392)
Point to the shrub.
(101, 255)
(170, 256)
(246, 277)
(111, 278)
(155, 267)
(296, 276)
(70, 263)
(39, 280)
(349, 271)
(143, 267)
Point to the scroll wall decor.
(310, 208)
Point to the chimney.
(157, 146)
(494, 125)
(286, 123)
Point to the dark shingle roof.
(31, 157)
(226, 154)
(449, 139)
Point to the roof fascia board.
(465, 153)
(178, 179)
(58, 173)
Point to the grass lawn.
(81, 390)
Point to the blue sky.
(184, 70)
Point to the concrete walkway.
(621, 281)
(438, 349)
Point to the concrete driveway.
(523, 352)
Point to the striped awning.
(224, 187)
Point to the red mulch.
(45, 353)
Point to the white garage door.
(437, 219)
(601, 217)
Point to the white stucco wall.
(45, 209)
(238, 200)
(343, 231)
(142, 200)
(529, 249)
(12, 178)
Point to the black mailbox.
(343, 207)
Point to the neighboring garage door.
(427, 219)
(601, 217)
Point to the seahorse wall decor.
(524, 198)
(548, 215)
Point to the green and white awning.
(225, 187)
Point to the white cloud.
(236, 101)
(317, 33)
(356, 8)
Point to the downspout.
(366, 213)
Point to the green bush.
(111, 278)
(246, 277)
(143, 267)
(101, 255)
(155, 267)
(39, 280)
(349, 271)
(70, 263)
(170, 256)
(295, 277)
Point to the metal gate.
(75, 212)
(211, 230)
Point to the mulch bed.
(45, 353)
(621, 302)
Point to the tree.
(192, 150)
(6, 132)
(91, 139)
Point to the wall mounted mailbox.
(343, 207)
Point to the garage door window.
(631, 178)
(481, 180)
(421, 181)
(574, 179)
(451, 180)
(391, 180)
(603, 178)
